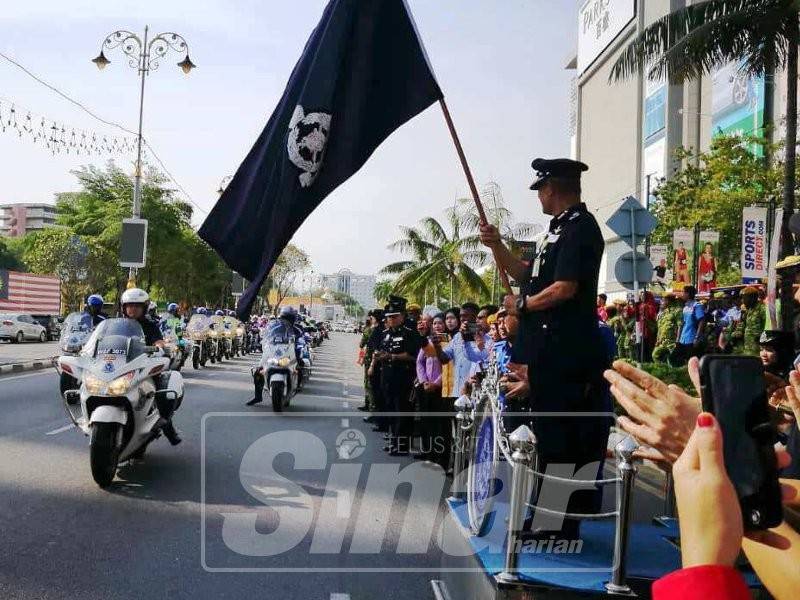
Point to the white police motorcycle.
(278, 365)
(116, 403)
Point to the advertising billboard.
(599, 22)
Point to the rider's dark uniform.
(563, 349)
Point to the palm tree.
(439, 259)
(500, 216)
(762, 35)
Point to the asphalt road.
(210, 518)
(27, 351)
(191, 521)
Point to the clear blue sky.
(500, 64)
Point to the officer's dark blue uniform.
(397, 376)
(562, 345)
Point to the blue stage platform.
(652, 553)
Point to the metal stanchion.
(463, 437)
(627, 471)
(523, 444)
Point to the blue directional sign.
(632, 218)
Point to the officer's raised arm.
(515, 267)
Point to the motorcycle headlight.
(93, 384)
(284, 362)
(120, 385)
(212, 333)
(240, 331)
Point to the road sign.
(632, 222)
(629, 271)
(632, 219)
(133, 243)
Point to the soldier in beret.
(559, 339)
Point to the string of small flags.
(60, 138)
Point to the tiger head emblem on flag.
(308, 136)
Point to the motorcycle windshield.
(198, 324)
(116, 337)
(76, 328)
(78, 323)
(277, 333)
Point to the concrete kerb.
(34, 365)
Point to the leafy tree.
(10, 258)
(440, 260)
(283, 275)
(383, 288)
(761, 35)
(180, 266)
(713, 193)
(72, 258)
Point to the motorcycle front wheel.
(196, 358)
(276, 394)
(104, 453)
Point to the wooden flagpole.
(473, 189)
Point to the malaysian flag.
(25, 292)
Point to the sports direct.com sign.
(754, 244)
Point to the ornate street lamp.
(143, 55)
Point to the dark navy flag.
(363, 73)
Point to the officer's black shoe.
(171, 433)
(254, 401)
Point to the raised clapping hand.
(659, 415)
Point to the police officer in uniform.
(396, 355)
(559, 339)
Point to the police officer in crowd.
(559, 339)
(396, 357)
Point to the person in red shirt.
(602, 299)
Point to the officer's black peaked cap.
(556, 167)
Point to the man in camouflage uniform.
(669, 322)
(747, 331)
(617, 325)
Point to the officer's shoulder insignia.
(574, 216)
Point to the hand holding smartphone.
(732, 389)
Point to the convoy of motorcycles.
(112, 383)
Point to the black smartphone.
(732, 389)
(472, 329)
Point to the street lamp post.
(144, 56)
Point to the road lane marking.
(345, 423)
(27, 375)
(339, 596)
(60, 429)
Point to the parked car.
(50, 323)
(18, 327)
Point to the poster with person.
(659, 257)
(707, 261)
(682, 257)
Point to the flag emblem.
(308, 136)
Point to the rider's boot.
(258, 381)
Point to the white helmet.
(134, 296)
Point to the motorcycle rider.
(135, 304)
(287, 316)
(94, 307)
